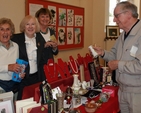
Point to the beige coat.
(128, 74)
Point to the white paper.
(33, 8)
(133, 51)
(55, 91)
(21, 103)
(6, 107)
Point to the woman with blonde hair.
(31, 46)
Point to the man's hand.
(99, 50)
(113, 65)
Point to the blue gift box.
(16, 76)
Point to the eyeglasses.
(116, 15)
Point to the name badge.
(133, 51)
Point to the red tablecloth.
(28, 91)
(111, 106)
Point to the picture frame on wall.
(112, 32)
(67, 22)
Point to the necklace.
(44, 32)
(75, 71)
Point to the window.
(112, 4)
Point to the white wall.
(94, 23)
(87, 28)
(15, 10)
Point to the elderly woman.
(8, 55)
(31, 46)
(44, 17)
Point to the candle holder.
(60, 98)
(69, 94)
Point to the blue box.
(15, 76)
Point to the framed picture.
(6, 107)
(112, 31)
(67, 22)
(96, 62)
(93, 73)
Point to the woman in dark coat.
(31, 46)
